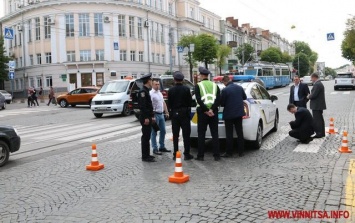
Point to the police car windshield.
(114, 87)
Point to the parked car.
(8, 96)
(2, 101)
(344, 80)
(307, 80)
(166, 82)
(262, 116)
(112, 98)
(79, 96)
(10, 142)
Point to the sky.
(312, 19)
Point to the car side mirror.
(274, 98)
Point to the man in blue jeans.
(160, 110)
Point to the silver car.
(2, 101)
(344, 80)
(7, 95)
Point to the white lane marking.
(334, 92)
(286, 94)
(346, 92)
(270, 141)
(312, 147)
(278, 93)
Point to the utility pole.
(171, 2)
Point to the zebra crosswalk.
(24, 111)
(285, 93)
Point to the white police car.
(262, 115)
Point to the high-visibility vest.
(208, 91)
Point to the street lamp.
(298, 68)
(171, 39)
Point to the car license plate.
(101, 109)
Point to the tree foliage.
(286, 58)
(271, 54)
(245, 53)
(303, 63)
(329, 71)
(223, 52)
(205, 49)
(3, 60)
(348, 44)
(185, 41)
(303, 47)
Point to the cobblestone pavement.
(282, 175)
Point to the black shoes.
(188, 157)
(156, 152)
(164, 150)
(307, 140)
(227, 155)
(149, 159)
(199, 158)
(317, 137)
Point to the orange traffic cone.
(331, 129)
(95, 165)
(179, 176)
(344, 144)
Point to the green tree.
(205, 49)
(3, 61)
(302, 60)
(348, 45)
(286, 58)
(223, 52)
(245, 53)
(329, 71)
(303, 47)
(185, 41)
(271, 54)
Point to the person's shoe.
(156, 152)
(241, 154)
(217, 158)
(199, 158)
(188, 157)
(164, 150)
(226, 155)
(149, 159)
(307, 141)
(153, 157)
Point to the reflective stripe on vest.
(207, 96)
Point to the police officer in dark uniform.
(179, 104)
(146, 117)
(208, 99)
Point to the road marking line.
(270, 141)
(278, 93)
(286, 94)
(312, 147)
(350, 189)
(334, 92)
(346, 92)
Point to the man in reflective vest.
(207, 97)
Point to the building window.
(203, 20)
(69, 24)
(170, 8)
(158, 58)
(20, 60)
(208, 23)
(32, 82)
(156, 32)
(98, 24)
(192, 13)
(30, 30)
(49, 81)
(39, 58)
(140, 56)
(85, 55)
(121, 25)
(47, 27)
(162, 40)
(84, 24)
(70, 56)
(100, 55)
(123, 55)
(133, 55)
(163, 58)
(140, 28)
(19, 39)
(31, 60)
(48, 57)
(131, 27)
(39, 81)
(160, 4)
(151, 30)
(153, 58)
(38, 28)
(149, 2)
(15, 38)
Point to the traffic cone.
(331, 129)
(344, 144)
(179, 176)
(95, 165)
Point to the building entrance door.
(86, 79)
(72, 79)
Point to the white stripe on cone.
(178, 169)
(94, 151)
(344, 145)
(178, 160)
(345, 138)
(94, 159)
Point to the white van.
(112, 98)
(307, 80)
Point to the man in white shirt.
(160, 109)
(298, 93)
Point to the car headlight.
(116, 102)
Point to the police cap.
(178, 76)
(146, 76)
(203, 71)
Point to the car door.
(74, 96)
(268, 106)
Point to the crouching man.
(302, 128)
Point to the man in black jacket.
(232, 97)
(302, 127)
(298, 93)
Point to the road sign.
(12, 64)
(11, 75)
(11, 70)
(9, 33)
(330, 36)
(180, 49)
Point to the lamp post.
(171, 39)
(298, 68)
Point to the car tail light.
(165, 94)
(246, 110)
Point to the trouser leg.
(176, 130)
(228, 123)
(162, 128)
(201, 131)
(213, 123)
(186, 132)
(238, 123)
(146, 132)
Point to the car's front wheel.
(98, 115)
(259, 137)
(63, 103)
(126, 111)
(4, 153)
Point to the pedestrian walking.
(34, 96)
(40, 93)
(51, 96)
(302, 127)
(232, 97)
(298, 93)
(146, 117)
(30, 101)
(160, 112)
(317, 105)
(207, 97)
(179, 103)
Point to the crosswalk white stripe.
(111, 134)
(312, 147)
(270, 141)
(346, 92)
(32, 129)
(23, 112)
(334, 92)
